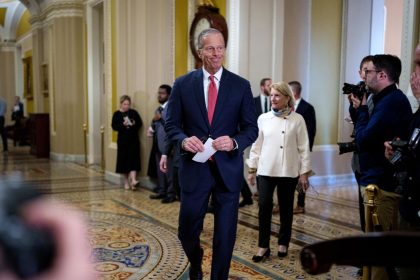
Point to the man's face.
(162, 95)
(265, 89)
(415, 77)
(213, 52)
(362, 71)
(371, 77)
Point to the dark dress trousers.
(308, 113)
(234, 116)
(128, 143)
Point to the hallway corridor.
(136, 238)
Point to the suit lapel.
(199, 95)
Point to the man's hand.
(356, 101)
(388, 150)
(150, 132)
(192, 144)
(163, 164)
(223, 143)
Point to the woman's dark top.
(128, 143)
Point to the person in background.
(390, 116)
(355, 158)
(410, 201)
(307, 111)
(17, 113)
(262, 105)
(216, 105)
(169, 162)
(262, 102)
(3, 109)
(280, 157)
(127, 122)
(165, 189)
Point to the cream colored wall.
(68, 91)
(7, 78)
(325, 47)
(144, 60)
(393, 26)
(297, 39)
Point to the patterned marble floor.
(135, 238)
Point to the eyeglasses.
(367, 71)
(218, 49)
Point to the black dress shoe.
(157, 196)
(257, 258)
(245, 202)
(168, 199)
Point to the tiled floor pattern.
(135, 238)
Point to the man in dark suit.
(165, 189)
(262, 105)
(308, 113)
(262, 102)
(211, 102)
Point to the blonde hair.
(284, 88)
(124, 98)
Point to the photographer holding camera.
(359, 90)
(406, 157)
(390, 116)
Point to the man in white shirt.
(262, 102)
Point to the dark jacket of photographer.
(410, 204)
(390, 117)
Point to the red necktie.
(212, 97)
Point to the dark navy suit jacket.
(257, 104)
(234, 116)
(390, 117)
(308, 113)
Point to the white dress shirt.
(282, 146)
(263, 99)
(206, 82)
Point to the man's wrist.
(234, 144)
(184, 141)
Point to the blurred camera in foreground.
(24, 250)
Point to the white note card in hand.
(207, 153)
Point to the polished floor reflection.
(136, 238)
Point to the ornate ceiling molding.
(57, 10)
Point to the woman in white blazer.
(278, 158)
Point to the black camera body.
(357, 90)
(24, 250)
(347, 147)
(405, 150)
(404, 159)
